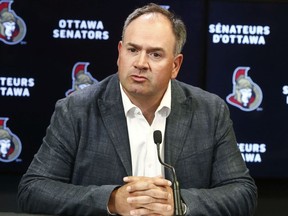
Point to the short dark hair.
(178, 26)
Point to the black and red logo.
(246, 95)
(81, 78)
(12, 27)
(10, 145)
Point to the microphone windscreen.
(157, 135)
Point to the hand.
(143, 196)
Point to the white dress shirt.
(143, 149)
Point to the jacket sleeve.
(46, 186)
(231, 190)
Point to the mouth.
(138, 78)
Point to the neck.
(148, 106)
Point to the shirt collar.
(163, 109)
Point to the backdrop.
(48, 49)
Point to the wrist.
(111, 204)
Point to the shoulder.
(201, 104)
(185, 92)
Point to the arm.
(229, 190)
(50, 185)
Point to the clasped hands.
(143, 196)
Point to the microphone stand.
(178, 210)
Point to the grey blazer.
(85, 155)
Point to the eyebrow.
(149, 49)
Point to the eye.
(155, 55)
(132, 49)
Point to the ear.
(120, 44)
(119, 50)
(176, 65)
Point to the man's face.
(146, 60)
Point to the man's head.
(178, 27)
(150, 52)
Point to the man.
(98, 155)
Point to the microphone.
(178, 210)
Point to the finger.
(153, 209)
(134, 178)
(162, 182)
(140, 200)
(159, 180)
(154, 193)
(140, 186)
(143, 199)
(140, 211)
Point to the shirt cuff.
(184, 207)
(109, 213)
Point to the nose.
(141, 62)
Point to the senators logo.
(10, 145)
(81, 78)
(12, 27)
(246, 95)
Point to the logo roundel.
(12, 27)
(10, 145)
(81, 78)
(246, 95)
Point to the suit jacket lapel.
(113, 116)
(177, 124)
